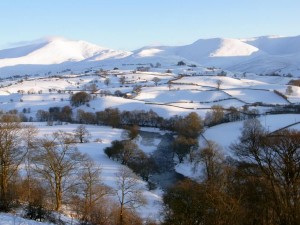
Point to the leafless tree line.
(50, 174)
(260, 184)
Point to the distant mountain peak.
(258, 54)
(55, 50)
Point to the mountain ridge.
(266, 53)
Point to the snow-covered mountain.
(265, 54)
(53, 54)
(259, 55)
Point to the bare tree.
(30, 143)
(276, 160)
(190, 126)
(128, 192)
(130, 149)
(92, 190)
(93, 88)
(137, 89)
(211, 160)
(132, 132)
(250, 138)
(122, 80)
(215, 116)
(12, 154)
(183, 145)
(289, 90)
(82, 133)
(218, 83)
(107, 81)
(156, 80)
(57, 161)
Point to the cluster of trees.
(218, 115)
(294, 82)
(80, 98)
(128, 153)
(188, 129)
(181, 63)
(260, 185)
(55, 114)
(116, 118)
(109, 116)
(286, 109)
(56, 174)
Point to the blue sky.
(130, 24)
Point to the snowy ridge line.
(57, 55)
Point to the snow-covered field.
(101, 137)
(252, 96)
(172, 95)
(228, 133)
(10, 219)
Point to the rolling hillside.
(266, 54)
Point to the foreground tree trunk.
(12, 154)
(129, 195)
(57, 161)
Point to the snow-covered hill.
(172, 95)
(10, 219)
(267, 54)
(276, 45)
(53, 54)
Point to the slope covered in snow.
(10, 219)
(53, 51)
(266, 54)
(275, 45)
(217, 47)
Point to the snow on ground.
(194, 105)
(131, 104)
(101, 137)
(211, 81)
(191, 87)
(35, 85)
(178, 97)
(55, 51)
(224, 134)
(252, 96)
(182, 96)
(228, 133)
(294, 97)
(188, 94)
(59, 54)
(10, 219)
